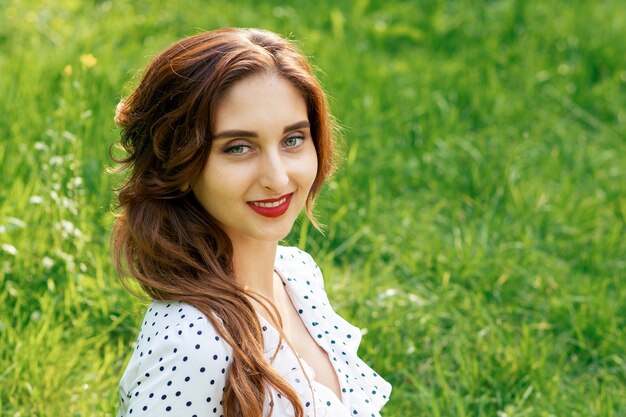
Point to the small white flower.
(67, 229)
(47, 262)
(35, 199)
(10, 249)
(41, 146)
(56, 160)
(389, 292)
(16, 222)
(69, 136)
(75, 182)
(416, 299)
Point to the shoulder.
(296, 265)
(179, 363)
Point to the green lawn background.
(475, 231)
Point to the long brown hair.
(162, 236)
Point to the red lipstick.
(272, 207)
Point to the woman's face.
(262, 161)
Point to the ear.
(185, 187)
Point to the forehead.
(260, 101)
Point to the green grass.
(475, 229)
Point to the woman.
(228, 138)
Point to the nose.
(274, 173)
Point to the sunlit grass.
(474, 231)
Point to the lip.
(273, 210)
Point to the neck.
(253, 262)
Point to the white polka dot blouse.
(180, 363)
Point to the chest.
(309, 350)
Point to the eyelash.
(229, 149)
(298, 136)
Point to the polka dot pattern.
(180, 363)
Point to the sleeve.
(179, 365)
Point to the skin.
(262, 149)
(253, 157)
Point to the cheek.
(308, 168)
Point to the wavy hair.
(162, 236)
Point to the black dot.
(163, 396)
(214, 357)
(202, 369)
(188, 404)
(168, 408)
(145, 407)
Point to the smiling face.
(262, 161)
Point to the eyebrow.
(304, 124)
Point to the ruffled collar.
(363, 391)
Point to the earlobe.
(185, 187)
